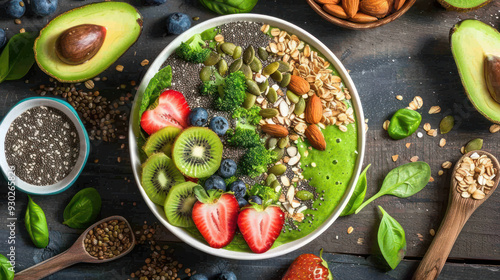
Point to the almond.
(398, 4)
(314, 109)
(275, 130)
(376, 8)
(298, 85)
(351, 7)
(363, 18)
(335, 10)
(315, 137)
(323, 2)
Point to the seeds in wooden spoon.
(475, 176)
(108, 240)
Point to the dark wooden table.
(408, 57)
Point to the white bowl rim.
(26, 187)
(134, 130)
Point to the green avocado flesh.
(471, 42)
(463, 5)
(123, 25)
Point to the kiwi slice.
(161, 141)
(197, 152)
(159, 174)
(179, 204)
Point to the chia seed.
(43, 146)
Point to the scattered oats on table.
(395, 158)
(434, 110)
(386, 124)
(427, 126)
(494, 128)
(119, 68)
(399, 97)
(414, 159)
(350, 230)
(442, 142)
(447, 165)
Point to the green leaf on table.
(224, 7)
(391, 239)
(403, 181)
(17, 57)
(83, 209)
(358, 195)
(161, 80)
(6, 269)
(36, 224)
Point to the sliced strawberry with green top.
(170, 109)
(215, 215)
(308, 267)
(260, 226)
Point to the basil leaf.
(209, 34)
(36, 224)
(403, 181)
(17, 57)
(224, 7)
(83, 209)
(161, 80)
(391, 239)
(6, 269)
(358, 195)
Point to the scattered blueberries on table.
(178, 23)
(43, 7)
(154, 2)
(14, 9)
(239, 188)
(3, 38)
(215, 182)
(242, 202)
(227, 168)
(198, 117)
(219, 125)
(227, 275)
(255, 199)
(198, 277)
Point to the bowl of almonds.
(360, 14)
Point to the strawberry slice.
(215, 215)
(261, 226)
(308, 267)
(170, 109)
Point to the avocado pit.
(492, 75)
(80, 43)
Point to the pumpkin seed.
(263, 54)
(272, 96)
(248, 55)
(235, 66)
(292, 96)
(220, 89)
(249, 100)
(228, 48)
(284, 66)
(278, 169)
(304, 195)
(300, 107)
(275, 184)
(212, 59)
(269, 113)
(277, 76)
(206, 73)
(271, 143)
(283, 142)
(474, 145)
(237, 52)
(255, 65)
(219, 49)
(279, 152)
(270, 178)
(222, 67)
(247, 71)
(252, 87)
(264, 85)
(271, 68)
(446, 124)
(286, 80)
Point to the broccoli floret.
(250, 116)
(268, 195)
(255, 161)
(231, 90)
(230, 180)
(245, 134)
(192, 50)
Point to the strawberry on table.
(170, 109)
(215, 215)
(308, 267)
(260, 225)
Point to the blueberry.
(215, 182)
(154, 2)
(239, 188)
(14, 8)
(43, 7)
(227, 275)
(3, 38)
(178, 23)
(219, 125)
(227, 168)
(255, 199)
(242, 202)
(198, 117)
(198, 277)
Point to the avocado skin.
(451, 6)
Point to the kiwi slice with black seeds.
(197, 152)
(159, 174)
(161, 141)
(179, 204)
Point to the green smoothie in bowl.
(248, 138)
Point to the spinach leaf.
(403, 181)
(391, 239)
(17, 57)
(224, 7)
(161, 80)
(358, 195)
(6, 269)
(83, 209)
(36, 224)
(404, 123)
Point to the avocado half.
(463, 5)
(123, 25)
(471, 41)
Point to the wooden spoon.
(75, 254)
(458, 212)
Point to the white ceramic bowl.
(134, 131)
(64, 107)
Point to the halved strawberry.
(308, 267)
(215, 215)
(170, 109)
(261, 226)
